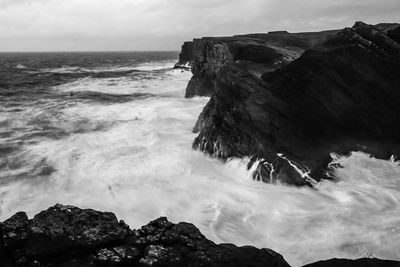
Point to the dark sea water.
(113, 131)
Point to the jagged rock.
(72, 229)
(14, 230)
(257, 53)
(395, 34)
(69, 236)
(66, 236)
(5, 259)
(186, 56)
(308, 96)
(158, 255)
(366, 262)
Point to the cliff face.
(288, 101)
(395, 34)
(257, 53)
(186, 55)
(68, 236)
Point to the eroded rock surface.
(365, 262)
(69, 236)
(186, 56)
(290, 100)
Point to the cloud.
(164, 24)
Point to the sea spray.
(134, 158)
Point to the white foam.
(169, 84)
(20, 66)
(141, 166)
(156, 65)
(147, 66)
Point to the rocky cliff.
(186, 56)
(290, 100)
(69, 236)
(395, 34)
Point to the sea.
(112, 131)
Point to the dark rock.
(69, 236)
(84, 237)
(158, 255)
(290, 100)
(365, 262)
(395, 34)
(386, 27)
(186, 56)
(66, 228)
(5, 259)
(257, 53)
(14, 230)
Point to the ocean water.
(113, 132)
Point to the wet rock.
(185, 57)
(66, 236)
(69, 236)
(158, 255)
(67, 228)
(290, 100)
(365, 262)
(5, 259)
(14, 230)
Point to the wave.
(165, 83)
(148, 66)
(135, 158)
(20, 66)
(152, 66)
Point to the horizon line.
(85, 51)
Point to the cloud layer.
(28, 25)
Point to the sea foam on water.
(134, 158)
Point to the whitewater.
(117, 136)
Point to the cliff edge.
(290, 100)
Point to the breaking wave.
(123, 144)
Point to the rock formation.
(365, 262)
(395, 34)
(68, 236)
(290, 100)
(186, 56)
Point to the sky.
(102, 25)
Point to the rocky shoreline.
(70, 236)
(288, 101)
(285, 100)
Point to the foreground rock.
(366, 262)
(69, 236)
(290, 100)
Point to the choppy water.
(112, 131)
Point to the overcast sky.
(32, 25)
